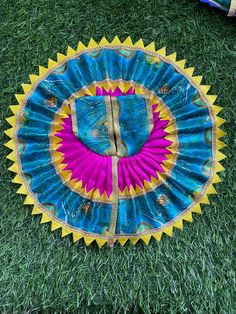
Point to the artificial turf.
(193, 272)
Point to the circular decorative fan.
(115, 141)
(228, 6)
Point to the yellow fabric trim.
(161, 51)
(56, 224)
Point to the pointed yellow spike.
(197, 209)
(56, 139)
(219, 121)
(12, 156)
(216, 109)
(81, 46)
(147, 184)
(45, 218)
(128, 41)
(14, 168)
(57, 154)
(139, 44)
(11, 120)
(146, 238)
(189, 71)
(205, 200)
(65, 231)
(88, 92)
(107, 84)
(55, 225)
(33, 78)
(179, 224)
(67, 175)
(15, 108)
(197, 79)
(67, 109)
(220, 144)
(17, 179)
(116, 41)
(62, 166)
(205, 88)
(60, 57)
(22, 190)
(122, 241)
(134, 240)
(173, 146)
(151, 47)
(131, 190)
(219, 167)
(79, 185)
(154, 180)
(10, 132)
(171, 129)
(58, 160)
(188, 217)
(10, 144)
(138, 189)
(36, 211)
(29, 200)
(104, 41)
(19, 98)
(216, 178)
(76, 236)
(70, 51)
(172, 56)
(26, 88)
(220, 156)
(63, 115)
(92, 43)
(181, 63)
(162, 51)
(168, 231)
(51, 63)
(220, 133)
(211, 190)
(211, 98)
(138, 89)
(101, 242)
(42, 70)
(88, 240)
(157, 236)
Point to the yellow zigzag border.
(179, 65)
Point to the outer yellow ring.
(100, 239)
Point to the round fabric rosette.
(228, 6)
(115, 141)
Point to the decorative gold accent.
(114, 210)
(110, 124)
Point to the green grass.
(194, 272)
